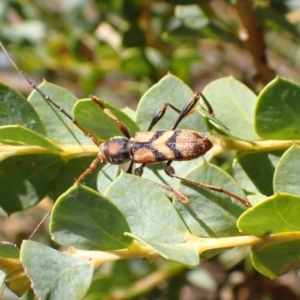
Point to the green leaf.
(172, 90)
(29, 181)
(107, 175)
(209, 213)
(9, 250)
(277, 114)
(55, 275)
(73, 168)
(93, 119)
(57, 125)
(254, 171)
(14, 109)
(233, 104)
(286, 177)
(275, 260)
(277, 214)
(18, 135)
(84, 219)
(148, 212)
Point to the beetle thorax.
(114, 150)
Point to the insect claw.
(181, 197)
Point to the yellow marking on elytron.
(143, 136)
(144, 155)
(161, 146)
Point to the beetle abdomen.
(154, 146)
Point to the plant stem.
(136, 250)
(68, 150)
(260, 242)
(224, 143)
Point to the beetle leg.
(182, 113)
(160, 113)
(139, 172)
(171, 172)
(120, 124)
(178, 195)
(89, 170)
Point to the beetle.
(148, 146)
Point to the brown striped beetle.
(148, 146)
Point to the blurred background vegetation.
(116, 50)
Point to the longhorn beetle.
(148, 146)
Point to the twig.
(255, 42)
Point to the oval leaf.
(277, 114)
(286, 177)
(210, 214)
(55, 275)
(93, 119)
(233, 104)
(277, 214)
(254, 171)
(21, 136)
(14, 109)
(275, 260)
(86, 220)
(30, 179)
(147, 210)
